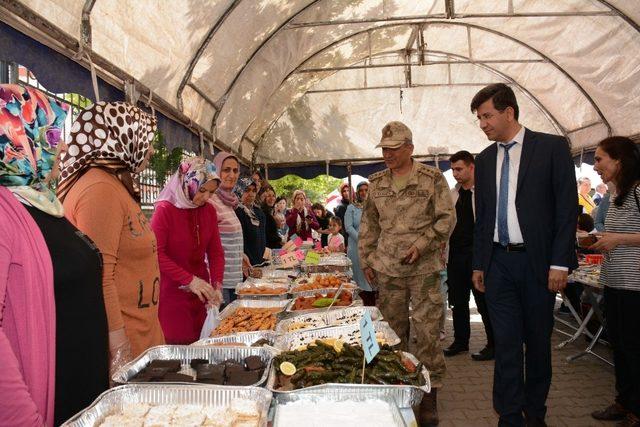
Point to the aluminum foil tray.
(338, 317)
(185, 353)
(355, 301)
(113, 400)
(276, 274)
(253, 303)
(406, 396)
(282, 287)
(346, 286)
(338, 395)
(350, 334)
(244, 338)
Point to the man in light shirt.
(523, 247)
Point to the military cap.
(394, 134)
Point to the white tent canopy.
(315, 80)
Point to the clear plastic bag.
(210, 323)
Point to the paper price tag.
(297, 242)
(289, 260)
(368, 337)
(313, 258)
(299, 255)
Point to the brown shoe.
(428, 412)
(614, 412)
(630, 421)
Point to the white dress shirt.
(515, 235)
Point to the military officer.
(405, 221)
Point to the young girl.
(336, 240)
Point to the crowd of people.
(87, 282)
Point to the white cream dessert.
(331, 413)
(238, 413)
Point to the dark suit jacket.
(546, 201)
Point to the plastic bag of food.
(210, 323)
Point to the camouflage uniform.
(421, 214)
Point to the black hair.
(318, 206)
(502, 96)
(627, 153)
(463, 155)
(585, 222)
(337, 220)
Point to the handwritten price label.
(313, 258)
(368, 337)
(289, 260)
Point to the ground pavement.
(577, 387)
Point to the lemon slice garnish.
(288, 368)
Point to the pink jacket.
(27, 319)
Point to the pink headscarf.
(192, 173)
(228, 197)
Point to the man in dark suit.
(523, 248)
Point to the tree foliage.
(164, 162)
(317, 189)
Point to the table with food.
(289, 347)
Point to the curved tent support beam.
(205, 43)
(224, 97)
(482, 65)
(461, 24)
(85, 23)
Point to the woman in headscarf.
(110, 143)
(272, 234)
(46, 348)
(352, 225)
(225, 201)
(252, 220)
(186, 284)
(301, 219)
(340, 210)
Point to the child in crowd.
(336, 240)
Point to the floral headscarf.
(30, 128)
(112, 135)
(183, 186)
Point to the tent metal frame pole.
(85, 23)
(412, 19)
(68, 46)
(466, 25)
(203, 46)
(507, 78)
(414, 85)
(585, 127)
(411, 64)
(271, 36)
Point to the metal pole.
(350, 185)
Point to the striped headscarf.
(30, 128)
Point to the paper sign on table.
(368, 337)
(299, 255)
(318, 246)
(297, 242)
(293, 237)
(289, 260)
(313, 258)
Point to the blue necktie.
(503, 200)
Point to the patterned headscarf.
(183, 186)
(240, 188)
(30, 128)
(112, 135)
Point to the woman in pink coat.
(186, 229)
